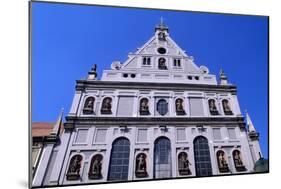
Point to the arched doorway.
(202, 157)
(119, 159)
(162, 158)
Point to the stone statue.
(90, 104)
(144, 105)
(212, 105)
(179, 105)
(222, 161)
(225, 105)
(96, 167)
(161, 64)
(184, 161)
(107, 104)
(237, 159)
(162, 36)
(75, 165)
(141, 163)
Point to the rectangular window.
(231, 133)
(146, 61)
(217, 133)
(177, 63)
(100, 135)
(81, 136)
(142, 135)
(181, 135)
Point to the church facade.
(156, 115)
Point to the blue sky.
(68, 39)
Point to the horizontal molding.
(82, 85)
(71, 121)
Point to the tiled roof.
(40, 129)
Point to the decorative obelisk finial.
(223, 78)
(92, 75)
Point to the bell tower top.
(161, 27)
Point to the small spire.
(161, 21)
(250, 124)
(57, 127)
(223, 78)
(92, 75)
(161, 26)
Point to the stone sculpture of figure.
(90, 104)
(237, 159)
(144, 105)
(141, 163)
(184, 161)
(75, 165)
(161, 36)
(96, 167)
(222, 161)
(107, 104)
(162, 65)
(179, 105)
(212, 105)
(225, 105)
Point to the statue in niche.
(161, 64)
(144, 108)
(161, 36)
(238, 161)
(106, 106)
(89, 106)
(141, 165)
(223, 166)
(179, 107)
(226, 107)
(96, 165)
(212, 107)
(74, 168)
(183, 164)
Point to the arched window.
(95, 167)
(179, 107)
(212, 107)
(89, 105)
(73, 172)
(106, 106)
(162, 158)
(146, 61)
(144, 106)
(238, 162)
(202, 157)
(141, 164)
(119, 159)
(162, 64)
(183, 164)
(222, 161)
(162, 107)
(226, 107)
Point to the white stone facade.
(110, 109)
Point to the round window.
(161, 50)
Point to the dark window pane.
(119, 160)
(162, 158)
(202, 157)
